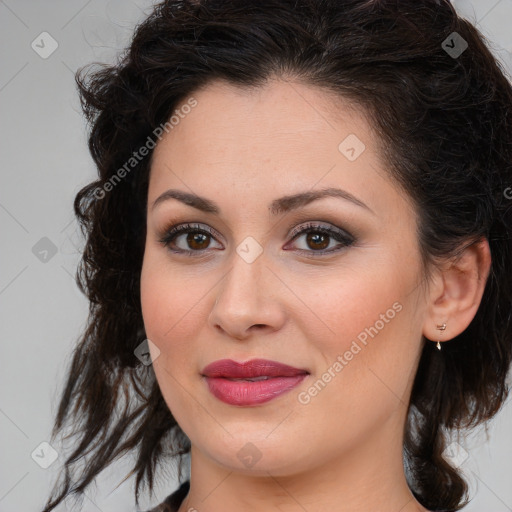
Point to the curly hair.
(445, 126)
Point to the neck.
(368, 477)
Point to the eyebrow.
(276, 207)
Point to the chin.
(257, 456)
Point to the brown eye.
(317, 239)
(198, 240)
(194, 239)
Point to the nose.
(248, 300)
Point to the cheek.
(168, 311)
(167, 298)
(346, 306)
(364, 330)
(171, 322)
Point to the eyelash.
(340, 236)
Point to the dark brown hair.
(445, 123)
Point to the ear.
(456, 292)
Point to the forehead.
(279, 139)
(278, 108)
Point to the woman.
(298, 255)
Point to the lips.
(255, 369)
(251, 383)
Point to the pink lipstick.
(251, 383)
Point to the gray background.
(45, 162)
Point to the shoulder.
(173, 501)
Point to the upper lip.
(254, 368)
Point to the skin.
(343, 449)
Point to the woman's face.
(345, 308)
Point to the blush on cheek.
(159, 304)
(370, 337)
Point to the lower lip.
(243, 392)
